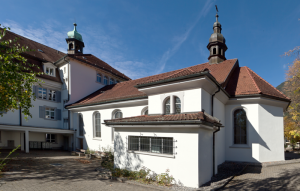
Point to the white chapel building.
(188, 121)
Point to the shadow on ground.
(273, 179)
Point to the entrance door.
(81, 143)
(66, 143)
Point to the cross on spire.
(217, 13)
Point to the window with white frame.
(42, 94)
(115, 115)
(49, 113)
(240, 127)
(97, 125)
(50, 71)
(177, 105)
(51, 138)
(66, 123)
(159, 145)
(167, 106)
(51, 95)
(105, 81)
(99, 78)
(111, 81)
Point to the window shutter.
(58, 114)
(34, 91)
(37, 91)
(58, 96)
(42, 112)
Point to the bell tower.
(75, 42)
(216, 45)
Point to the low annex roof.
(183, 118)
(236, 80)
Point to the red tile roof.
(199, 116)
(246, 82)
(48, 54)
(127, 89)
(242, 81)
(94, 61)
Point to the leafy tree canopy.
(17, 76)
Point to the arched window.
(240, 127)
(111, 81)
(70, 46)
(144, 111)
(99, 78)
(105, 80)
(177, 105)
(80, 125)
(97, 125)
(214, 51)
(167, 106)
(118, 114)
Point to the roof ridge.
(268, 83)
(252, 79)
(20, 36)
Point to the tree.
(17, 76)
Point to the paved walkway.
(282, 177)
(35, 172)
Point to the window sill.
(99, 82)
(240, 146)
(97, 139)
(152, 154)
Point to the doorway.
(66, 143)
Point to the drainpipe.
(20, 115)
(68, 92)
(212, 114)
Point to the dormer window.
(50, 71)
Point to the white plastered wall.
(250, 151)
(106, 132)
(192, 165)
(271, 131)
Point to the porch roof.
(187, 118)
(35, 129)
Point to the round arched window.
(167, 106)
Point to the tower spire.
(216, 45)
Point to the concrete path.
(53, 171)
(282, 177)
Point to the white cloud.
(97, 42)
(180, 40)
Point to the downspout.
(20, 115)
(212, 114)
(68, 92)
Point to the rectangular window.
(160, 145)
(49, 113)
(66, 123)
(51, 138)
(50, 71)
(64, 69)
(51, 95)
(42, 93)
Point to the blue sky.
(142, 38)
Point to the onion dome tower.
(216, 45)
(74, 41)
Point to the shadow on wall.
(122, 158)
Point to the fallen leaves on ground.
(83, 161)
